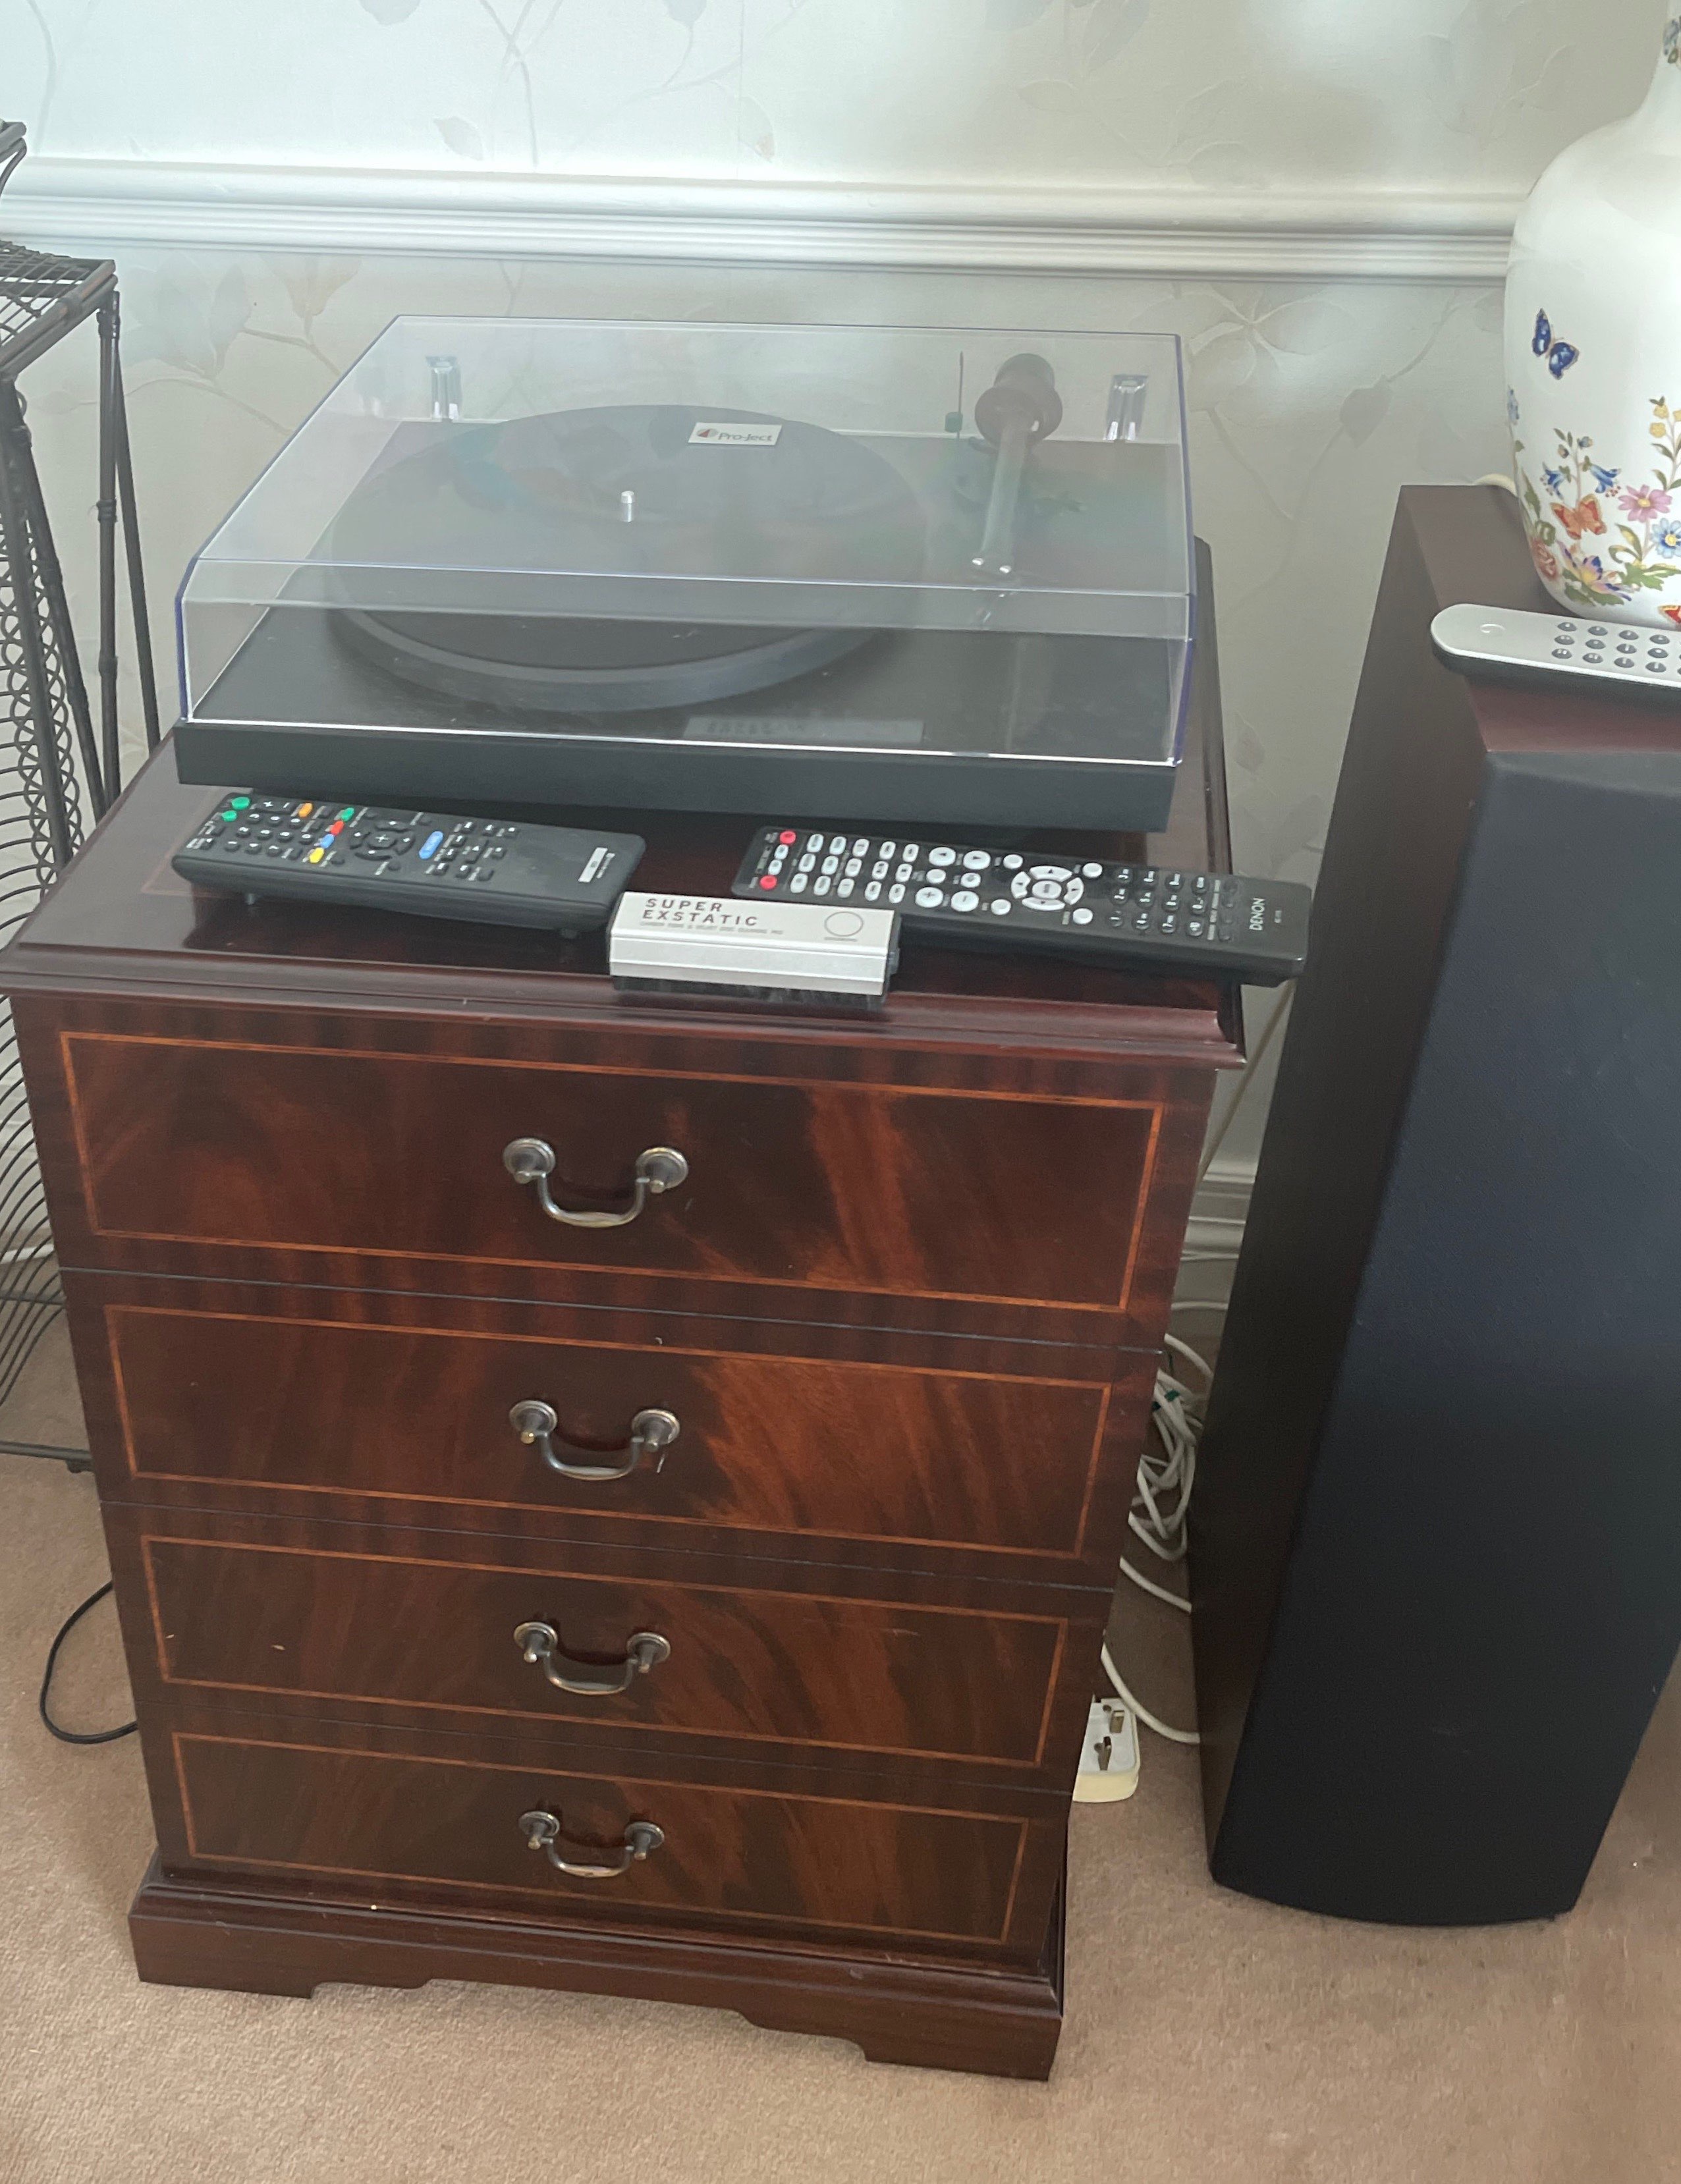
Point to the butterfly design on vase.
(1586, 519)
(1559, 354)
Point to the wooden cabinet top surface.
(121, 923)
(1470, 550)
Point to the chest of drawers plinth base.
(1002, 2021)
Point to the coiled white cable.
(1161, 1499)
(1167, 1470)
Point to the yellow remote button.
(315, 856)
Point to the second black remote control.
(432, 864)
(1151, 916)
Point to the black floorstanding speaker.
(1436, 1533)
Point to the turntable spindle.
(1021, 406)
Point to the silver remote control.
(1509, 640)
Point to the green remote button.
(240, 802)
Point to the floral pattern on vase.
(1597, 448)
(1576, 502)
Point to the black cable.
(74, 1735)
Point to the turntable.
(849, 572)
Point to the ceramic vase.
(1593, 333)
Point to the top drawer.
(238, 1150)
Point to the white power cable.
(1167, 1470)
(1161, 1500)
(1161, 1728)
(1156, 1592)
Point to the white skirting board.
(1221, 1207)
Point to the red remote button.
(767, 883)
(787, 836)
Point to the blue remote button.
(428, 847)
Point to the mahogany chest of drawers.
(704, 1606)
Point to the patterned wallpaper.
(1312, 404)
(1211, 93)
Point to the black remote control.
(1141, 915)
(431, 863)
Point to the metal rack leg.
(111, 761)
(73, 1459)
(144, 665)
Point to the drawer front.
(873, 1447)
(756, 1859)
(475, 1647)
(841, 1188)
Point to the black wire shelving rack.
(58, 757)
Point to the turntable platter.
(637, 490)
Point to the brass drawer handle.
(651, 1433)
(583, 1861)
(587, 1680)
(529, 1160)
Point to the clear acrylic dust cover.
(518, 512)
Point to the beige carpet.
(1208, 2038)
